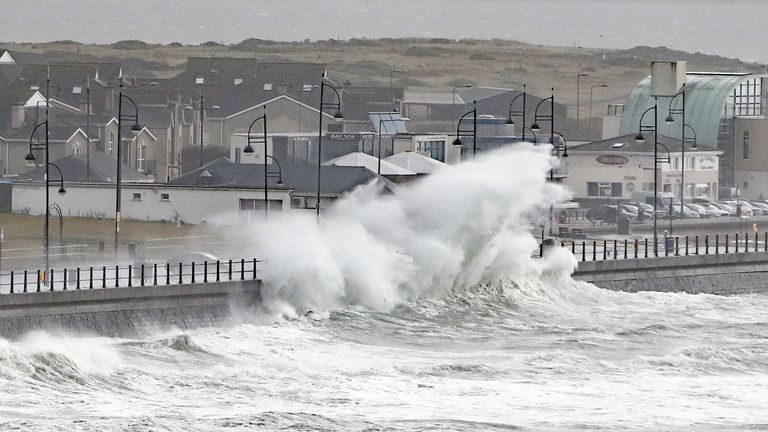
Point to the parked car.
(701, 210)
(725, 207)
(745, 208)
(715, 210)
(647, 209)
(608, 213)
(760, 205)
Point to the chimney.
(17, 116)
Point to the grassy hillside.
(431, 63)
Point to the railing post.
(625, 248)
(11, 282)
(217, 271)
(717, 244)
(254, 269)
(573, 247)
(615, 254)
(52, 279)
(242, 268)
(142, 275)
(637, 246)
(103, 277)
(755, 241)
(666, 249)
(167, 273)
(686, 245)
(38, 281)
(726, 243)
(646, 247)
(78, 278)
(130, 275)
(117, 276)
(193, 272)
(765, 242)
(677, 246)
(90, 278)
(737, 243)
(594, 250)
(583, 250)
(25, 281)
(154, 274)
(605, 250)
(229, 270)
(65, 278)
(205, 271)
(181, 273)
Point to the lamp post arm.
(653, 108)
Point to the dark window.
(435, 149)
(745, 141)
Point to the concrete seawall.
(723, 274)
(125, 311)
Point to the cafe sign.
(612, 160)
(707, 163)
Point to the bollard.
(562, 244)
(697, 244)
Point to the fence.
(117, 276)
(596, 250)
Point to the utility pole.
(202, 125)
(88, 130)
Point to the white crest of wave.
(458, 227)
(90, 355)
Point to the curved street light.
(518, 113)
(337, 115)
(136, 128)
(640, 139)
(670, 119)
(468, 132)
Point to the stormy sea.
(423, 310)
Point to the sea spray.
(461, 226)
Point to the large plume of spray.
(458, 227)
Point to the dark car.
(603, 213)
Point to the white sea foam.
(461, 226)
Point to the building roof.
(415, 162)
(302, 179)
(74, 167)
(706, 95)
(359, 159)
(628, 144)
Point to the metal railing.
(121, 276)
(604, 250)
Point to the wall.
(125, 311)
(711, 274)
(752, 173)
(193, 205)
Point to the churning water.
(415, 312)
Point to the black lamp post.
(670, 119)
(589, 122)
(252, 139)
(518, 113)
(535, 127)
(338, 115)
(640, 138)
(468, 132)
(31, 157)
(382, 121)
(135, 129)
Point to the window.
(111, 144)
(77, 90)
(76, 148)
(267, 87)
(141, 158)
(435, 149)
(667, 187)
(199, 80)
(306, 88)
(676, 163)
(165, 197)
(647, 187)
(137, 196)
(238, 81)
(690, 163)
(238, 150)
(745, 143)
(252, 207)
(604, 189)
